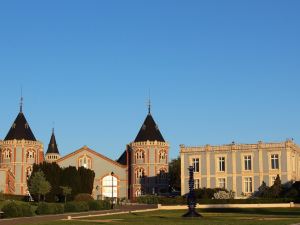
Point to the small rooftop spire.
(149, 103)
(21, 100)
(53, 124)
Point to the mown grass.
(213, 217)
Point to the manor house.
(141, 168)
(240, 167)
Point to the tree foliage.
(38, 184)
(80, 180)
(174, 174)
(66, 191)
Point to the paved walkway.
(37, 219)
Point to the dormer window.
(26, 125)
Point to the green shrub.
(26, 209)
(83, 197)
(76, 207)
(10, 210)
(99, 205)
(45, 208)
(13, 209)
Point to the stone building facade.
(148, 161)
(141, 169)
(240, 167)
(18, 152)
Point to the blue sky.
(218, 71)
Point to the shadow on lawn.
(277, 211)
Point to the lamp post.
(112, 190)
(191, 201)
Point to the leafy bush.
(76, 207)
(13, 209)
(83, 197)
(45, 208)
(224, 195)
(99, 205)
(207, 193)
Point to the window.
(85, 161)
(140, 154)
(222, 183)
(273, 180)
(222, 164)
(196, 184)
(28, 172)
(196, 164)
(30, 154)
(138, 192)
(139, 173)
(162, 155)
(247, 162)
(274, 161)
(110, 186)
(248, 184)
(6, 154)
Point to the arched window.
(138, 192)
(6, 153)
(140, 173)
(110, 187)
(30, 154)
(139, 154)
(85, 161)
(162, 155)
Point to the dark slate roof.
(149, 131)
(20, 129)
(123, 158)
(52, 147)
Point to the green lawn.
(210, 217)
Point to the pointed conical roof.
(52, 147)
(20, 129)
(149, 131)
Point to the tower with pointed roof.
(52, 153)
(147, 160)
(19, 151)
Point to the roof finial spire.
(149, 103)
(21, 100)
(53, 125)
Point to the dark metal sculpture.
(191, 200)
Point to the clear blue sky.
(218, 71)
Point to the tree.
(66, 191)
(262, 190)
(276, 188)
(39, 185)
(174, 174)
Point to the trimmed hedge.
(76, 207)
(83, 197)
(99, 205)
(181, 200)
(45, 208)
(13, 209)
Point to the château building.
(240, 167)
(141, 168)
